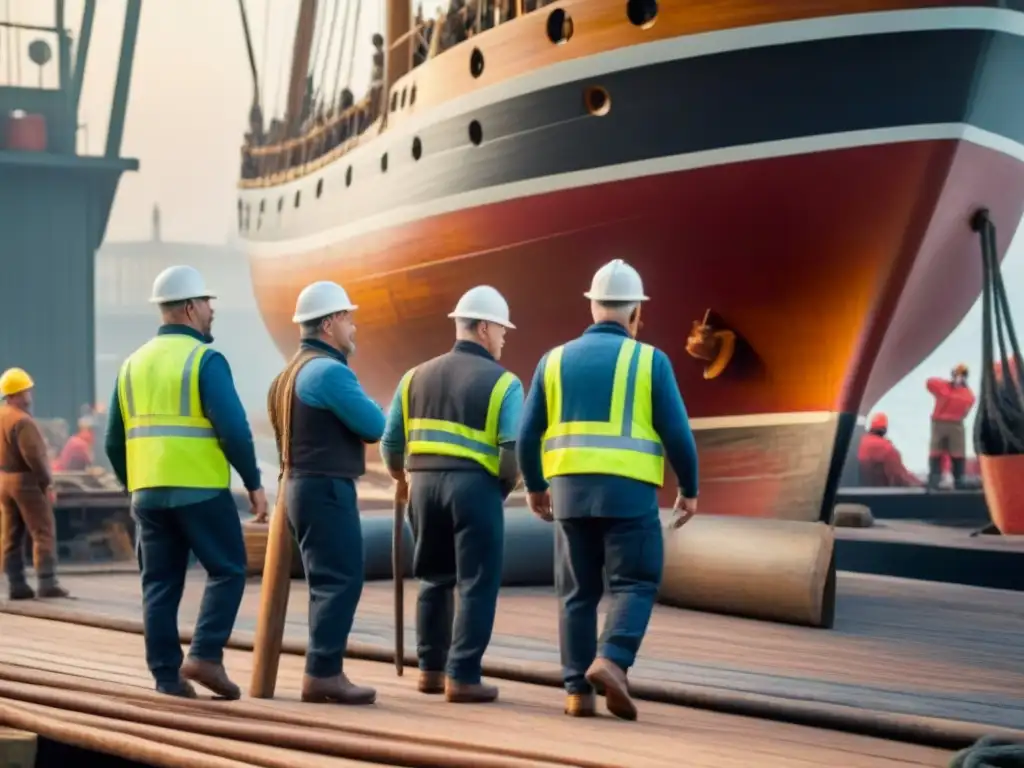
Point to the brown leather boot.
(182, 689)
(430, 682)
(469, 693)
(212, 676)
(610, 677)
(580, 705)
(52, 589)
(336, 690)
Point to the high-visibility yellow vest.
(450, 438)
(170, 443)
(626, 445)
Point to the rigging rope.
(266, 47)
(319, 83)
(999, 426)
(355, 44)
(335, 87)
(318, 33)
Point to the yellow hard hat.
(13, 381)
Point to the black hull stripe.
(728, 99)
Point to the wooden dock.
(899, 648)
(102, 675)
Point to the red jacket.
(881, 464)
(952, 403)
(76, 454)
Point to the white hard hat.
(482, 303)
(616, 281)
(178, 284)
(321, 299)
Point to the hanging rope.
(999, 426)
(355, 44)
(318, 36)
(266, 47)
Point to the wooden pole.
(397, 574)
(273, 600)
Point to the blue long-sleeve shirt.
(588, 365)
(224, 410)
(329, 384)
(393, 441)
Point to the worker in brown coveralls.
(26, 492)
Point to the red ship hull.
(811, 183)
(839, 295)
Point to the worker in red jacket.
(953, 401)
(880, 462)
(77, 453)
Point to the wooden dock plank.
(900, 646)
(525, 717)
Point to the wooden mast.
(399, 56)
(304, 29)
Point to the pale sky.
(190, 95)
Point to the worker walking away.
(880, 462)
(27, 495)
(176, 426)
(323, 452)
(458, 415)
(602, 413)
(953, 401)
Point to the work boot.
(611, 677)
(336, 690)
(958, 473)
(183, 689)
(581, 705)
(49, 586)
(469, 693)
(934, 472)
(212, 676)
(430, 682)
(18, 588)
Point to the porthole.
(559, 26)
(597, 101)
(412, 95)
(263, 205)
(476, 63)
(417, 148)
(405, 92)
(384, 163)
(319, 187)
(642, 13)
(280, 204)
(476, 132)
(348, 176)
(394, 101)
(298, 199)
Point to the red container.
(1003, 480)
(25, 132)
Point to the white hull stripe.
(613, 173)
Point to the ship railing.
(331, 136)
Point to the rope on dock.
(991, 752)
(910, 729)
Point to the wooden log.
(778, 570)
(255, 536)
(17, 748)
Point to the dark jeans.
(459, 526)
(164, 539)
(325, 520)
(631, 551)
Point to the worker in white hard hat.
(175, 428)
(323, 421)
(603, 412)
(457, 415)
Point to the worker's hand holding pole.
(397, 535)
(258, 499)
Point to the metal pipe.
(82, 55)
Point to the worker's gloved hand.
(258, 499)
(540, 505)
(682, 511)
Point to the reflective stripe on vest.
(627, 444)
(169, 442)
(449, 438)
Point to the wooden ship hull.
(805, 171)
